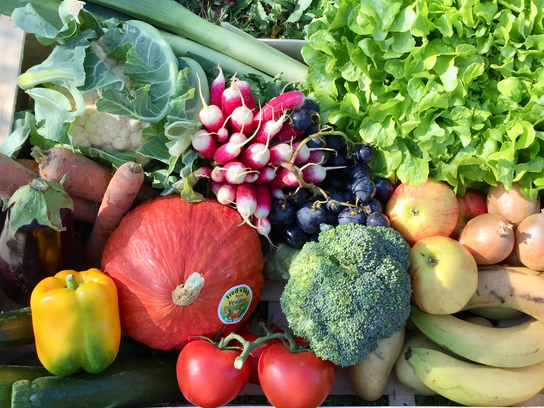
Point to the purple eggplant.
(38, 239)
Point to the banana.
(516, 346)
(508, 286)
(474, 384)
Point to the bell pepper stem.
(71, 282)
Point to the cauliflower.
(106, 131)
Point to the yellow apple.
(444, 275)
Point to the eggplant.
(38, 239)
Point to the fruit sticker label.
(234, 304)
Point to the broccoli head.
(349, 290)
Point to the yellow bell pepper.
(75, 317)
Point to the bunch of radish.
(255, 153)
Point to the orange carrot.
(84, 177)
(84, 210)
(118, 199)
(12, 176)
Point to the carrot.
(13, 176)
(84, 210)
(84, 177)
(118, 199)
(30, 164)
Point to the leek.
(218, 45)
(172, 16)
(183, 47)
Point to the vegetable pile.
(447, 90)
(396, 175)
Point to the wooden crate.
(18, 52)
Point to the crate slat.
(11, 54)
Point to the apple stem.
(414, 211)
(433, 261)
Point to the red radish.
(237, 138)
(215, 186)
(277, 193)
(316, 156)
(226, 194)
(287, 134)
(276, 106)
(263, 226)
(246, 200)
(235, 172)
(204, 143)
(231, 99)
(269, 129)
(303, 154)
(217, 88)
(210, 116)
(218, 174)
(204, 172)
(247, 94)
(266, 174)
(284, 178)
(222, 134)
(251, 177)
(256, 156)
(227, 152)
(241, 120)
(280, 153)
(315, 173)
(262, 194)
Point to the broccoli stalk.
(348, 291)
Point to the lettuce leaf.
(452, 90)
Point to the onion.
(489, 238)
(511, 204)
(529, 244)
(512, 259)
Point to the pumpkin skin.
(162, 242)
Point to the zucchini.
(128, 348)
(127, 382)
(16, 328)
(10, 374)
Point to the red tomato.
(207, 376)
(294, 380)
(253, 358)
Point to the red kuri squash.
(183, 269)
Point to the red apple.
(471, 204)
(424, 210)
(443, 273)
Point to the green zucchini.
(10, 374)
(16, 328)
(128, 382)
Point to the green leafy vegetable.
(451, 89)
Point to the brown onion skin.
(511, 204)
(489, 238)
(529, 244)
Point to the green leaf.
(24, 123)
(40, 200)
(300, 8)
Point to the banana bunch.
(478, 365)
